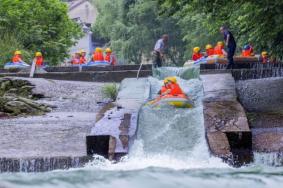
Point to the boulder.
(16, 98)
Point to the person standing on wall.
(231, 46)
(159, 50)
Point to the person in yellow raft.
(172, 94)
(171, 88)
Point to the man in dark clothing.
(159, 49)
(231, 46)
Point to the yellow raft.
(180, 101)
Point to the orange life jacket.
(39, 61)
(110, 59)
(17, 59)
(98, 56)
(196, 56)
(218, 50)
(210, 52)
(82, 60)
(175, 89)
(247, 53)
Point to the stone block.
(262, 95)
(226, 116)
(265, 120)
(218, 87)
(218, 144)
(268, 139)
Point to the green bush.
(8, 45)
(33, 25)
(110, 91)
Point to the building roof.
(82, 10)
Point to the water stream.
(170, 151)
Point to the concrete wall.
(263, 100)
(227, 130)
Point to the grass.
(110, 91)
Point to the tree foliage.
(36, 25)
(256, 22)
(133, 26)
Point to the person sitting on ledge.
(98, 55)
(247, 51)
(76, 59)
(209, 50)
(38, 59)
(110, 58)
(219, 49)
(17, 58)
(196, 54)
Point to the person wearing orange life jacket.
(38, 59)
(82, 56)
(209, 50)
(76, 59)
(98, 55)
(164, 88)
(17, 58)
(219, 49)
(247, 51)
(196, 54)
(173, 87)
(110, 58)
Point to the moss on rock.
(16, 98)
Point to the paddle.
(32, 70)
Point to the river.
(170, 152)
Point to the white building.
(85, 13)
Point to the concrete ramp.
(133, 93)
(113, 133)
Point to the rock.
(18, 107)
(15, 98)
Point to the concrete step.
(100, 76)
(113, 133)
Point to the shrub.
(110, 91)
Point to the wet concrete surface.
(59, 133)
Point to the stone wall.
(263, 100)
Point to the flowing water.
(170, 151)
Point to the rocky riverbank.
(17, 99)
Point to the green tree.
(256, 22)
(37, 25)
(132, 28)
